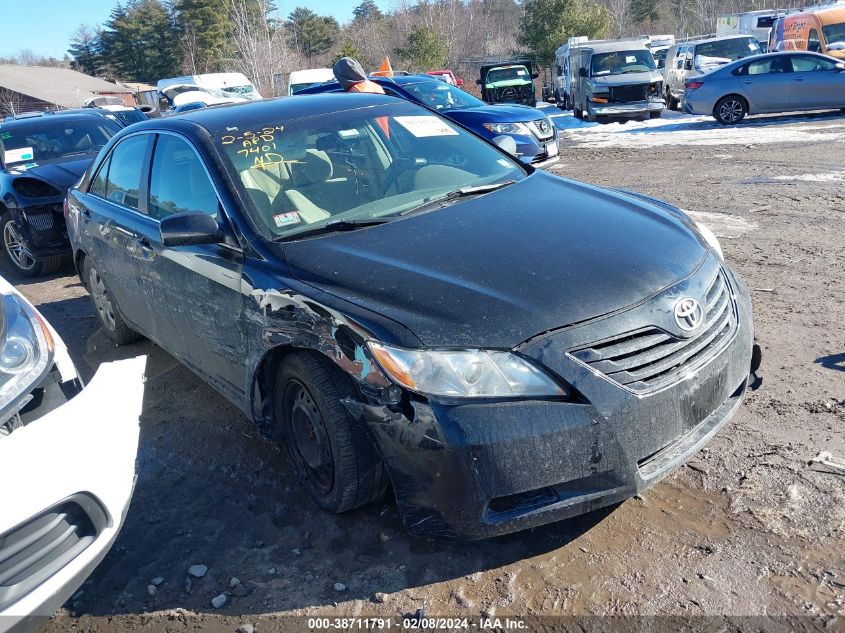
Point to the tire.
(591, 116)
(567, 104)
(730, 110)
(655, 115)
(19, 255)
(671, 102)
(105, 307)
(579, 114)
(332, 455)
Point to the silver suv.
(689, 59)
(615, 79)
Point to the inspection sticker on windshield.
(17, 155)
(421, 126)
(284, 219)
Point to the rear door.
(110, 219)
(196, 289)
(816, 83)
(766, 83)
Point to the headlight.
(710, 238)
(464, 373)
(508, 128)
(26, 351)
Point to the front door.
(196, 289)
(816, 83)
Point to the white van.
(231, 84)
(302, 79)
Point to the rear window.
(50, 137)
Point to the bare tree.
(262, 51)
(11, 102)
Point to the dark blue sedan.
(402, 305)
(535, 135)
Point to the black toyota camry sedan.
(402, 304)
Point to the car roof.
(612, 47)
(225, 118)
(59, 116)
(739, 36)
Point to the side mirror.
(582, 72)
(506, 143)
(189, 228)
(559, 71)
(661, 63)
(477, 82)
(840, 67)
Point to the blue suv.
(534, 133)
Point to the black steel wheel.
(331, 453)
(105, 307)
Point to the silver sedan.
(774, 82)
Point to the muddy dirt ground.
(745, 529)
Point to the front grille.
(542, 129)
(628, 94)
(41, 221)
(651, 358)
(35, 550)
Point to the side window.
(813, 43)
(807, 64)
(761, 67)
(98, 184)
(178, 180)
(125, 167)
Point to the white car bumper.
(84, 451)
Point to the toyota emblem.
(688, 313)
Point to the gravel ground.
(745, 529)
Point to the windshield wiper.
(463, 192)
(332, 227)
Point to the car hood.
(495, 114)
(62, 174)
(626, 79)
(495, 270)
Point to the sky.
(44, 26)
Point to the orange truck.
(820, 30)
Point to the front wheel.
(331, 453)
(671, 102)
(655, 114)
(730, 110)
(19, 253)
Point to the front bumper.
(81, 454)
(43, 227)
(476, 470)
(627, 109)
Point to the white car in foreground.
(67, 463)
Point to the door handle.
(798, 79)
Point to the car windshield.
(359, 165)
(48, 138)
(239, 90)
(442, 96)
(834, 33)
(511, 73)
(128, 117)
(622, 63)
(731, 49)
(294, 88)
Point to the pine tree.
(85, 50)
(312, 34)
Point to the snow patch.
(722, 224)
(834, 176)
